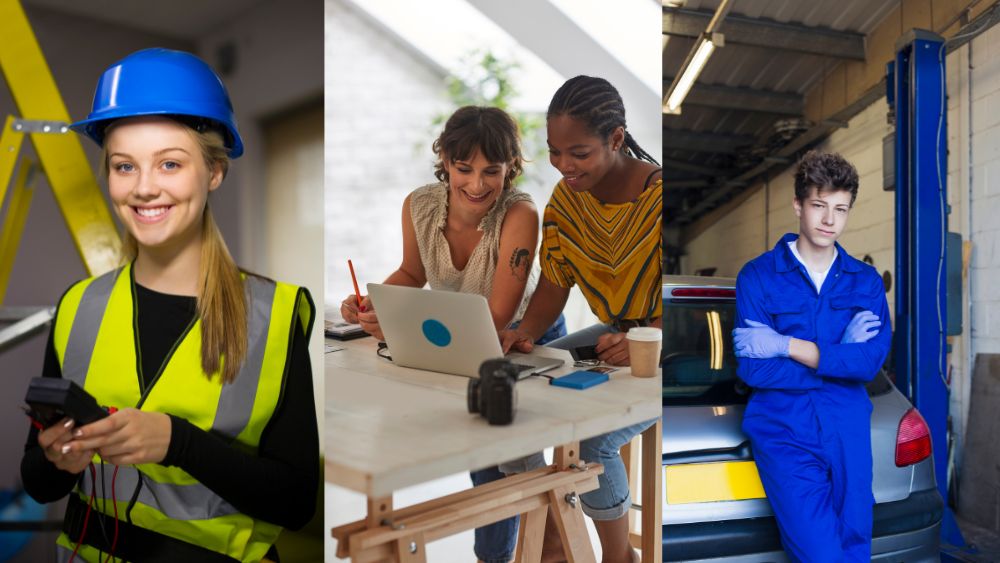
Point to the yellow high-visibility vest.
(94, 339)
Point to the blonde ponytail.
(222, 305)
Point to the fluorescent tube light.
(691, 73)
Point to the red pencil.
(354, 278)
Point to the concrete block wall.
(984, 195)
(973, 189)
(734, 240)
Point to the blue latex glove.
(862, 328)
(759, 341)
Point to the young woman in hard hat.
(213, 448)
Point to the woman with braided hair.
(601, 231)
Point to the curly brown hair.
(825, 172)
(489, 131)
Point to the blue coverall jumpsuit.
(810, 429)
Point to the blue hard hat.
(161, 82)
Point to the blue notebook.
(580, 379)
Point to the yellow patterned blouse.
(612, 250)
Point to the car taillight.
(913, 439)
(702, 292)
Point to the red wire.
(114, 503)
(38, 425)
(86, 518)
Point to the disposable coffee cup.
(644, 350)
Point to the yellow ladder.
(44, 118)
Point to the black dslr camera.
(493, 395)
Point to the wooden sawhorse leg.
(567, 512)
(401, 535)
(652, 492)
(648, 538)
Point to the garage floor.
(983, 542)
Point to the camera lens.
(472, 396)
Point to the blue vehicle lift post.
(916, 94)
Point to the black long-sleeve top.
(278, 484)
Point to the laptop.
(444, 331)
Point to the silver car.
(715, 508)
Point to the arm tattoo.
(520, 263)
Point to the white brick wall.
(982, 221)
(379, 104)
(975, 203)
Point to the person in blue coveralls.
(813, 329)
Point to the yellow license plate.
(712, 482)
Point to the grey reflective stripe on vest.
(180, 502)
(237, 398)
(86, 325)
(63, 555)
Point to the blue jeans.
(495, 543)
(611, 499)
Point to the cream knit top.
(429, 212)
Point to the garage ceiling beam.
(684, 166)
(740, 30)
(692, 141)
(683, 184)
(743, 99)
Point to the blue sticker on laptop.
(436, 333)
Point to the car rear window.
(698, 363)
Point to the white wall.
(981, 200)
(732, 241)
(279, 45)
(380, 100)
(293, 248)
(973, 185)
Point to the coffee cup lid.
(645, 334)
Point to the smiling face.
(822, 216)
(474, 184)
(582, 157)
(158, 181)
